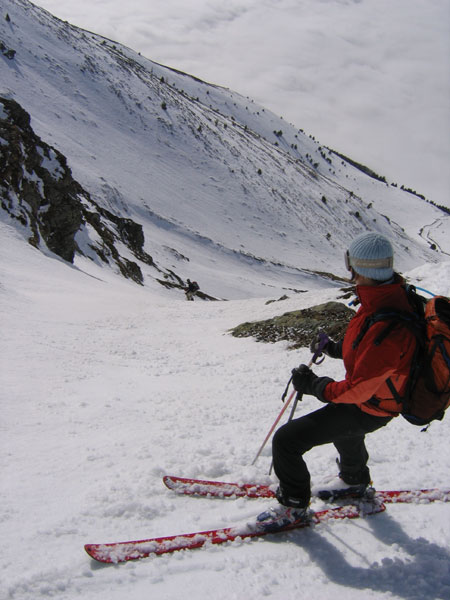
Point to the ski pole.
(286, 404)
(299, 396)
(323, 339)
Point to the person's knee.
(287, 440)
(277, 440)
(282, 441)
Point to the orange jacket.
(368, 366)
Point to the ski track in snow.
(107, 386)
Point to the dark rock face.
(37, 190)
(42, 199)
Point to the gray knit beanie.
(371, 255)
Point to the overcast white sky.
(370, 78)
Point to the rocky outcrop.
(38, 191)
(300, 326)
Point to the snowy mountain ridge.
(225, 192)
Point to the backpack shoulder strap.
(413, 321)
(417, 302)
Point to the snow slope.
(369, 78)
(214, 179)
(107, 386)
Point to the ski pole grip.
(323, 341)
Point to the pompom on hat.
(371, 255)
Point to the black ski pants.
(344, 425)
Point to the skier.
(191, 289)
(355, 406)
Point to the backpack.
(428, 389)
(192, 286)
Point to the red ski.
(223, 489)
(125, 551)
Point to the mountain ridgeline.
(110, 159)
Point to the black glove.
(332, 349)
(306, 382)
